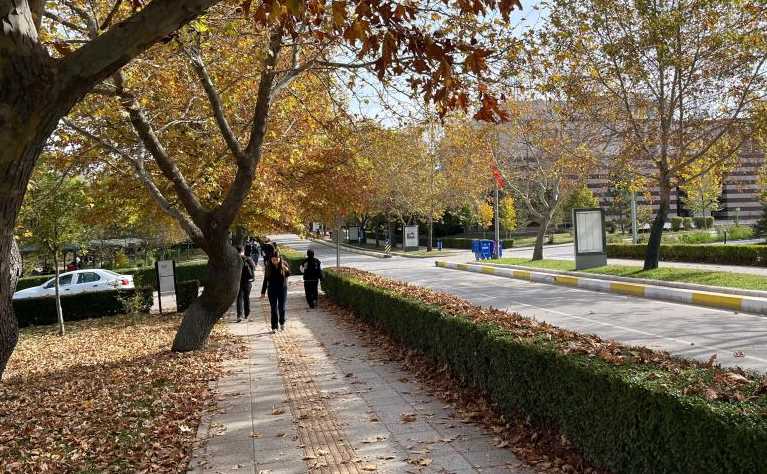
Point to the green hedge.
(186, 293)
(41, 311)
(293, 258)
(142, 276)
(611, 413)
(465, 243)
(755, 255)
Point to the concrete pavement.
(320, 398)
(738, 339)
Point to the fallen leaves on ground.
(542, 447)
(686, 376)
(108, 396)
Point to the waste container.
(485, 249)
(475, 248)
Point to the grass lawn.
(744, 281)
(107, 397)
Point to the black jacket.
(275, 277)
(248, 271)
(312, 269)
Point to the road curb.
(748, 304)
(351, 249)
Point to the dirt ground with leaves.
(108, 397)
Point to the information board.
(411, 237)
(166, 279)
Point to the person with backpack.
(276, 273)
(247, 275)
(312, 270)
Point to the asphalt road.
(691, 331)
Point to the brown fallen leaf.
(369, 467)
(407, 417)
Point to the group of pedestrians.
(275, 284)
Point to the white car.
(77, 282)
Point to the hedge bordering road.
(631, 410)
(751, 255)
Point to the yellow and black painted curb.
(747, 304)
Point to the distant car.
(78, 282)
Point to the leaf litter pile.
(655, 368)
(108, 397)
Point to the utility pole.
(497, 236)
(634, 236)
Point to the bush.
(700, 222)
(41, 311)
(293, 259)
(754, 255)
(687, 223)
(611, 227)
(698, 237)
(29, 282)
(737, 232)
(186, 293)
(617, 415)
(676, 224)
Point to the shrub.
(700, 222)
(699, 237)
(687, 223)
(293, 258)
(737, 232)
(611, 227)
(676, 223)
(186, 293)
(709, 222)
(619, 416)
(41, 311)
(29, 282)
(754, 255)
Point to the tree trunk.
(430, 234)
(224, 271)
(15, 265)
(59, 312)
(652, 254)
(539, 238)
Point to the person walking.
(247, 276)
(312, 270)
(267, 250)
(276, 275)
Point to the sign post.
(590, 238)
(165, 271)
(410, 242)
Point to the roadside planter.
(628, 409)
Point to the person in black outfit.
(312, 269)
(251, 250)
(246, 282)
(276, 275)
(267, 250)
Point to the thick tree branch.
(138, 165)
(215, 102)
(152, 143)
(107, 53)
(243, 180)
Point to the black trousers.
(312, 293)
(243, 300)
(277, 299)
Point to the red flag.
(498, 178)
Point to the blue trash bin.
(475, 248)
(486, 249)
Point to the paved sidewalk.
(316, 399)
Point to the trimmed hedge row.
(42, 311)
(465, 243)
(293, 258)
(186, 293)
(755, 255)
(144, 276)
(607, 411)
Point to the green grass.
(563, 238)
(743, 281)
